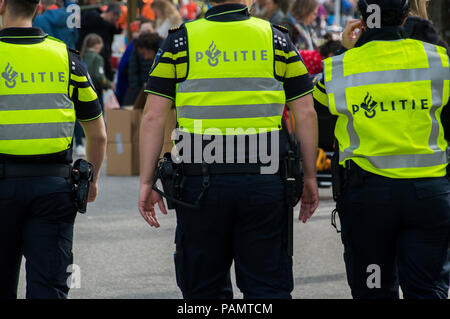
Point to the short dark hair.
(329, 47)
(114, 8)
(393, 12)
(22, 8)
(148, 40)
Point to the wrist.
(310, 178)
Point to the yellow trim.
(299, 96)
(94, 118)
(71, 87)
(332, 104)
(86, 94)
(37, 116)
(291, 54)
(320, 97)
(444, 57)
(321, 85)
(159, 94)
(181, 70)
(172, 56)
(164, 70)
(295, 69)
(328, 65)
(77, 78)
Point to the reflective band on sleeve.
(320, 97)
(22, 102)
(401, 161)
(36, 131)
(77, 78)
(230, 111)
(86, 94)
(229, 84)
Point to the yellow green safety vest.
(36, 114)
(230, 88)
(388, 96)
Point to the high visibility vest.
(36, 114)
(230, 88)
(388, 96)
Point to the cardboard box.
(122, 125)
(122, 159)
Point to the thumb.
(162, 206)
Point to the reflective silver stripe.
(435, 73)
(401, 161)
(48, 101)
(36, 131)
(229, 111)
(340, 95)
(437, 89)
(229, 85)
(340, 82)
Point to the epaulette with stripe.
(281, 28)
(175, 29)
(74, 51)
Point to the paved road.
(120, 256)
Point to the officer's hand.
(93, 191)
(349, 37)
(147, 200)
(309, 200)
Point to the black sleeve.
(81, 90)
(291, 69)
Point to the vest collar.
(22, 35)
(228, 12)
(382, 34)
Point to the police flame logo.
(213, 54)
(10, 76)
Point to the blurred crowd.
(118, 53)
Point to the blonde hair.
(168, 10)
(89, 42)
(419, 8)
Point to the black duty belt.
(35, 170)
(220, 169)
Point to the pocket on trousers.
(432, 187)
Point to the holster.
(82, 176)
(170, 175)
(337, 176)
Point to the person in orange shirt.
(147, 11)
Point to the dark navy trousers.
(241, 219)
(402, 227)
(36, 221)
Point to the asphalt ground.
(120, 256)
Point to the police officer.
(43, 89)
(388, 92)
(229, 73)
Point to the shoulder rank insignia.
(172, 30)
(281, 28)
(74, 51)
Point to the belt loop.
(205, 174)
(2, 170)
